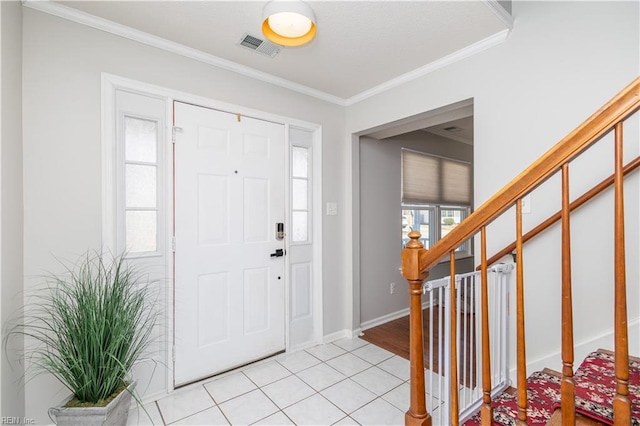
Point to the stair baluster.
(486, 410)
(621, 403)
(455, 411)
(521, 360)
(567, 386)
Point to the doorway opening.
(434, 144)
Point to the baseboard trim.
(389, 317)
(302, 346)
(342, 334)
(148, 398)
(581, 350)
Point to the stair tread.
(556, 420)
(542, 389)
(595, 385)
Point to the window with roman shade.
(436, 196)
(429, 179)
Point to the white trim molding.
(111, 84)
(390, 317)
(74, 15)
(461, 54)
(500, 12)
(83, 18)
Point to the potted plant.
(88, 327)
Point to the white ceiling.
(361, 47)
(460, 130)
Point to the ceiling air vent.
(259, 45)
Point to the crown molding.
(500, 12)
(111, 27)
(459, 55)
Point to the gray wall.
(380, 219)
(561, 62)
(63, 62)
(11, 238)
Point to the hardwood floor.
(394, 337)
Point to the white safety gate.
(438, 320)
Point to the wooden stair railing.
(416, 262)
(578, 202)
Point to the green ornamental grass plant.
(90, 325)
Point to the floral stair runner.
(595, 388)
(542, 390)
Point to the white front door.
(229, 195)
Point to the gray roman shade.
(429, 179)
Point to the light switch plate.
(332, 209)
(526, 204)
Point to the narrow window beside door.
(141, 185)
(300, 204)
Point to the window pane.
(299, 194)
(140, 139)
(141, 231)
(299, 226)
(450, 219)
(141, 189)
(300, 162)
(416, 220)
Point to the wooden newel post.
(417, 414)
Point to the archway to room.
(385, 210)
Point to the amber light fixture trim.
(288, 23)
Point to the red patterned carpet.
(542, 390)
(595, 389)
(596, 386)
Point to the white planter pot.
(113, 414)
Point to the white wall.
(380, 219)
(63, 62)
(12, 390)
(562, 61)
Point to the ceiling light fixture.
(288, 23)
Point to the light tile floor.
(348, 382)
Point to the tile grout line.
(216, 404)
(293, 373)
(159, 412)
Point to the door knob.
(278, 253)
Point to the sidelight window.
(141, 185)
(301, 186)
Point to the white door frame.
(111, 83)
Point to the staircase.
(595, 389)
(605, 385)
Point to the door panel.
(229, 194)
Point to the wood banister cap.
(412, 256)
(414, 242)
